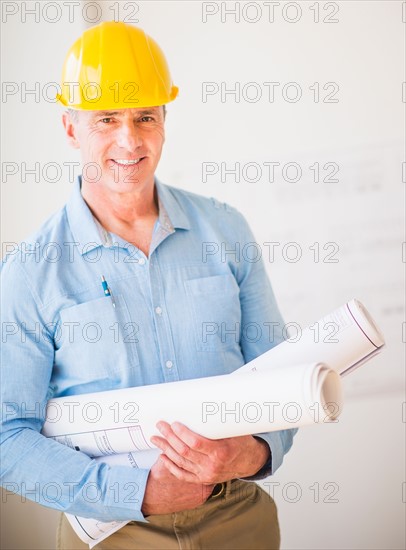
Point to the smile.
(126, 162)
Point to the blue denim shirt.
(199, 305)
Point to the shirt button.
(169, 364)
(141, 261)
(158, 310)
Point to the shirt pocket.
(216, 312)
(97, 340)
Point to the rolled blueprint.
(122, 421)
(344, 340)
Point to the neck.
(119, 213)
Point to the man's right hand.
(166, 494)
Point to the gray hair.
(73, 114)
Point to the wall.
(335, 124)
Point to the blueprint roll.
(344, 339)
(121, 421)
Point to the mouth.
(127, 163)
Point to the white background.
(359, 219)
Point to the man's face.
(120, 149)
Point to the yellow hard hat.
(115, 66)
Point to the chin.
(125, 185)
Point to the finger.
(193, 440)
(177, 459)
(180, 473)
(177, 443)
(202, 477)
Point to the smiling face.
(120, 149)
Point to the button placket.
(162, 325)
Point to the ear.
(70, 130)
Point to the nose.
(129, 136)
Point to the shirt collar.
(170, 210)
(81, 222)
(89, 234)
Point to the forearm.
(58, 477)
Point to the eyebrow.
(118, 113)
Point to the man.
(175, 311)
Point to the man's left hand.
(192, 457)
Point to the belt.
(219, 489)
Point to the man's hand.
(166, 494)
(193, 458)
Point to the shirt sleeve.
(262, 328)
(32, 465)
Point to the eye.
(147, 118)
(106, 120)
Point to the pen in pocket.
(107, 291)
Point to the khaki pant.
(244, 518)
